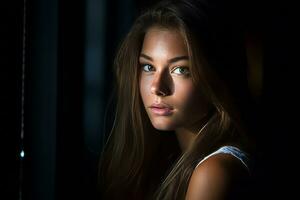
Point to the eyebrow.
(172, 60)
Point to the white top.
(234, 151)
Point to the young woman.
(179, 130)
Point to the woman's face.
(166, 87)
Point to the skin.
(165, 79)
(216, 178)
(170, 83)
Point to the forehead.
(164, 40)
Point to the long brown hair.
(139, 162)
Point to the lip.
(161, 109)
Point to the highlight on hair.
(139, 162)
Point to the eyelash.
(144, 65)
(187, 71)
(174, 69)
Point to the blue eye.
(181, 70)
(147, 67)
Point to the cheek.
(190, 101)
(186, 94)
(144, 87)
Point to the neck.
(185, 138)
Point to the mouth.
(161, 109)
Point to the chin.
(163, 126)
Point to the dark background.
(70, 46)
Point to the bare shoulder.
(216, 178)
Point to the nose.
(160, 85)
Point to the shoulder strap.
(234, 151)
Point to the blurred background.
(56, 82)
